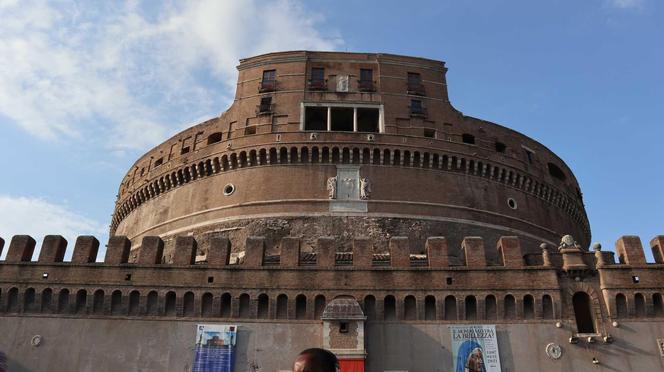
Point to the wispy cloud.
(38, 217)
(127, 76)
(626, 4)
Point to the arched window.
(153, 303)
(657, 304)
(370, 307)
(46, 299)
(169, 308)
(621, 305)
(390, 308)
(300, 307)
(98, 302)
(134, 303)
(490, 307)
(510, 307)
(471, 308)
(29, 301)
(207, 305)
(226, 300)
(245, 309)
(81, 301)
(430, 308)
(262, 312)
(583, 313)
(282, 306)
(63, 301)
(639, 305)
(547, 307)
(319, 306)
(450, 308)
(116, 302)
(188, 304)
(12, 300)
(410, 308)
(528, 307)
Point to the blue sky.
(87, 87)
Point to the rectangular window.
(269, 82)
(366, 74)
(529, 155)
(317, 81)
(367, 120)
(429, 133)
(416, 108)
(415, 84)
(159, 162)
(366, 83)
(265, 106)
(342, 119)
(315, 118)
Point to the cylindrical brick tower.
(347, 145)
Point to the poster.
(475, 348)
(215, 348)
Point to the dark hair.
(322, 360)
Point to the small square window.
(210, 279)
(449, 280)
(343, 327)
(429, 133)
(127, 276)
(635, 279)
(366, 74)
(318, 73)
(269, 75)
(159, 162)
(468, 138)
(184, 150)
(500, 147)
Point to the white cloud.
(37, 217)
(128, 75)
(626, 4)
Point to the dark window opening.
(369, 307)
(635, 279)
(210, 279)
(621, 305)
(315, 118)
(528, 307)
(639, 305)
(556, 172)
(266, 105)
(410, 308)
(342, 119)
(214, 138)
(263, 306)
(450, 308)
(547, 307)
(429, 133)
(319, 306)
(169, 305)
(134, 301)
(468, 138)
(269, 82)
(500, 147)
(658, 308)
(416, 108)
(226, 302)
(449, 281)
(529, 156)
(317, 81)
(142, 171)
(127, 277)
(490, 308)
(366, 83)
(390, 308)
(282, 306)
(367, 120)
(343, 327)
(244, 310)
(509, 307)
(184, 150)
(471, 308)
(207, 304)
(250, 130)
(430, 308)
(415, 84)
(583, 313)
(300, 307)
(159, 162)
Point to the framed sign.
(475, 348)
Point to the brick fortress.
(341, 201)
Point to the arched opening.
(282, 306)
(245, 309)
(63, 301)
(29, 300)
(98, 302)
(471, 308)
(226, 300)
(207, 305)
(116, 302)
(528, 307)
(153, 303)
(658, 308)
(390, 308)
(262, 312)
(583, 313)
(300, 307)
(510, 307)
(46, 299)
(81, 301)
(134, 302)
(547, 307)
(430, 308)
(490, 307)
(319, 306)
(370, 307)
(621, 305)
(12, 300)
(188, 304)
(450, 308)
(410, 308)
(169, 308)
(639, 305)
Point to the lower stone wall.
(70, 344)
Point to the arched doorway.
(583, 313)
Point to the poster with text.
(475, 348)
(215, 348)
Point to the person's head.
(316, 360)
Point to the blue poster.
(215, 348)
(475, 348)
